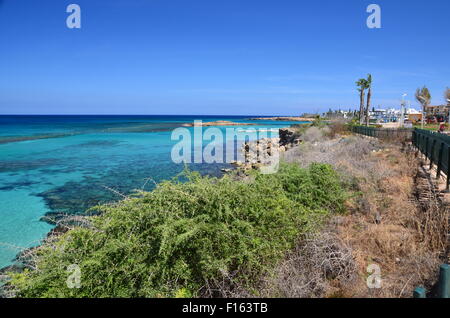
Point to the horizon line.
(152, 115)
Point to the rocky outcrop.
(289, 137)
(266, 151)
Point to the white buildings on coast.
(394, 115)
(377, 115)
(433, 114)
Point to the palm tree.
(362, 84)
(369, 96)
(423, 96)
(447, 100)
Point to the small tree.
(447, 96)
(362, 84)
(423, 96)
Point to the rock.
(288, 136)
(377, 218)
(15, 268)
(257, 166)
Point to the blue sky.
(238, 57)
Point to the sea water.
(67, 164)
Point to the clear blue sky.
(217, 56)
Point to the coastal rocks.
(289, 137)
(265, 152)
(260, 153)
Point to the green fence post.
(420, 292)
(444, 281)
(417, 143)
(448, 170)
(439, 164)
(432, 153)
(422, 145)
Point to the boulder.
(287, 136)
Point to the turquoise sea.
(51, 165)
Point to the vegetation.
(395, 219)
(362, 85)
(432, 127)
(182, 238)
(423, 96)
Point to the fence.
(384, 133)
(436, 148)
(443, 287)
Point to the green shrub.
(169, 242)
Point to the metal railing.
(384, 133)
(436, 148)
(443, 285)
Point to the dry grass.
(388, 224)
(321, 265)
(395, 220)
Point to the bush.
(172, 241)
(313, 134)
(338, 127)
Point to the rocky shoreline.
(266, 151)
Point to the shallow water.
(65, 164)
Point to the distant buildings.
(336, 114)
(433, 114)
(437, 113)
(393, 115)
